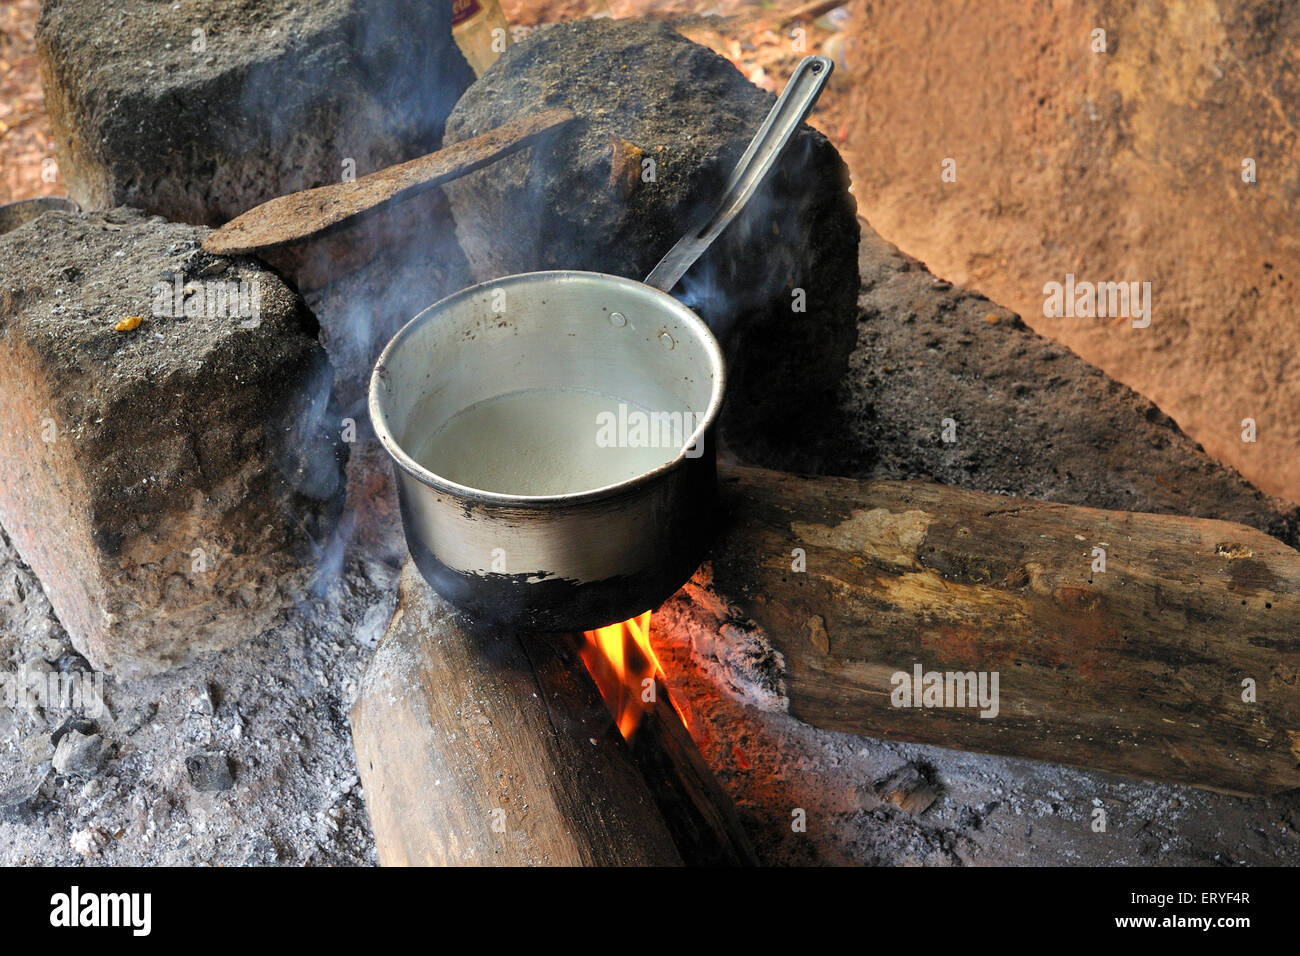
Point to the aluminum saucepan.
(576, 559)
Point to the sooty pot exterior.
(561, 562)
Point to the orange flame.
(626, 670)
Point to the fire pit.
(782, 705)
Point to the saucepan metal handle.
(791, 109)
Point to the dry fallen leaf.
(129, 324)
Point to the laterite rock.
(168, 479)
(197, 111)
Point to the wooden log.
(1144, 669)
(700, 814)
(482, 747)
(479, 745)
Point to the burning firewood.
(631, 680)
(484, 746)
(1150, 645)
(1171, 660)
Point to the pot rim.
(417, 471)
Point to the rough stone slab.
(1032, 419)
(167, 484)
(643, 92)
(282, 93)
